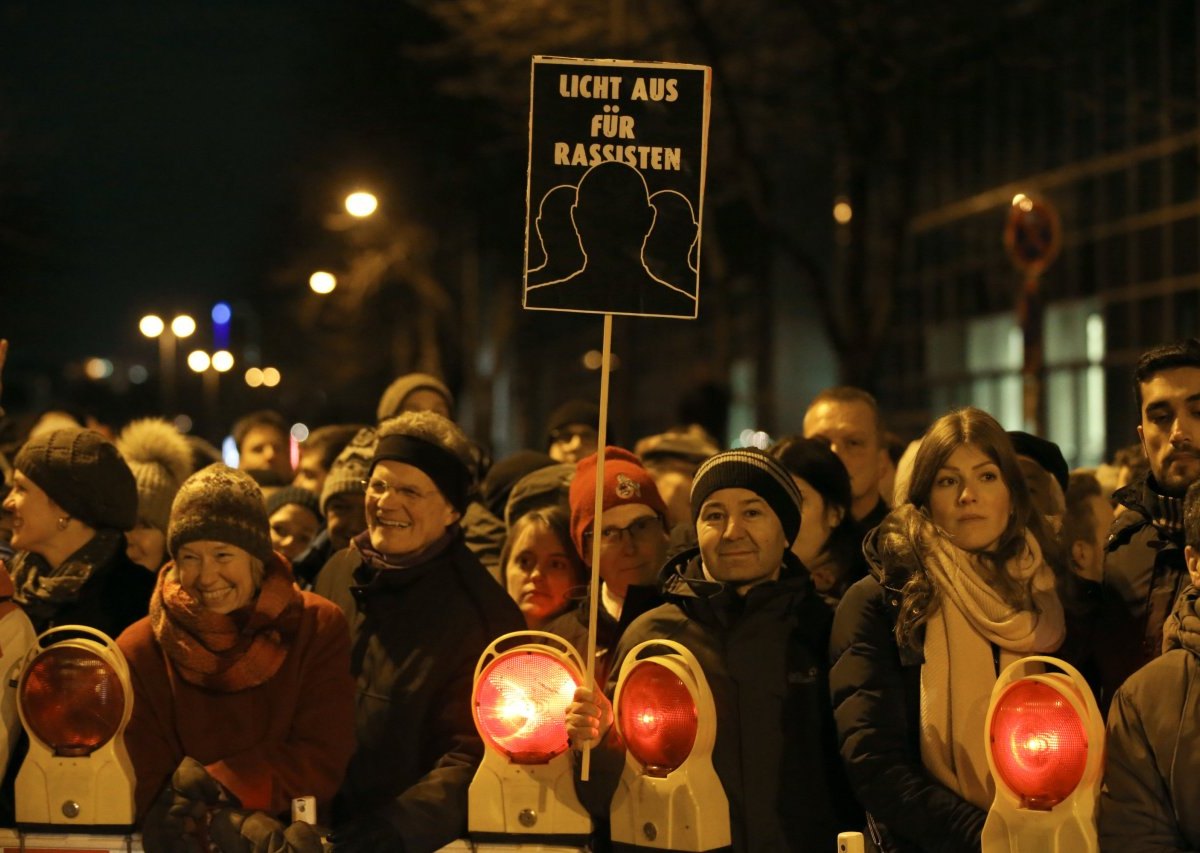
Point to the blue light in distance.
(221, 313)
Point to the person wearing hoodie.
(745, 607)
(160, 459)
(1148, 802)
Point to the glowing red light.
(72, 699)
(657, 718)
(1038, 743)
(521, 705)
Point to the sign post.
(614, 209)
(1032, 236)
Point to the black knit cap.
(220, 504)
(750, 468)
(573, 412)
(294, 495)
(82, 472)
(1045, 453)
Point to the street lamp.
(222, 361)
(153, 326)
(183, 326)
(322, 282)
(361, 204)
(198, 360)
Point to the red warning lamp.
(658, 718)
(669, 796)
(520, 705)
(524, 786)
(71, 701)
(74, 699)
(1045, 750)
(1038, 743)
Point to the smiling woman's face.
(219, 576)
(970, 500)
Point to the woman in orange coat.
(235, 667)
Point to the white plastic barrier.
(14, 841)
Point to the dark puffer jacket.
(1144, 573)
(1151, 784)
(572, 625)
(416, 635)
(764, 657)
(876, 688)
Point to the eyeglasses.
(639, 530)
(379, 489)
(565, 434)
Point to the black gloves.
(194, 806)
(240, 831)
(172, 825)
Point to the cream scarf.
(959, 670)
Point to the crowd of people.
(312, 629)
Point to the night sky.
(149, 156)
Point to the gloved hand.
(368, 834)
(241, 831)
(174, 822)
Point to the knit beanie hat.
(294, 495)
(549, 486)
(625, 482)
(82, 472)
(348, 474)
(160, 459)
(572, 412)
(750, 468)
(505, 474)
(392, 400)
(220, 504)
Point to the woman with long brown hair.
(961, 585)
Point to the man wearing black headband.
(421, 609)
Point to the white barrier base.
(14, 841)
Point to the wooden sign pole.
(594, 587)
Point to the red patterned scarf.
(227, 652)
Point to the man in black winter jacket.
(746, 608)
(1144, 570)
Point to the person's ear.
(1083, 560)
(1192, 557)
(834, 515)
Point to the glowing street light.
(271, 377)
(322, 282)
(198, 360)
(222, 360)
(361, 204)
(254, 377)
(843, 212)
(183, 326)
(151, 325)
